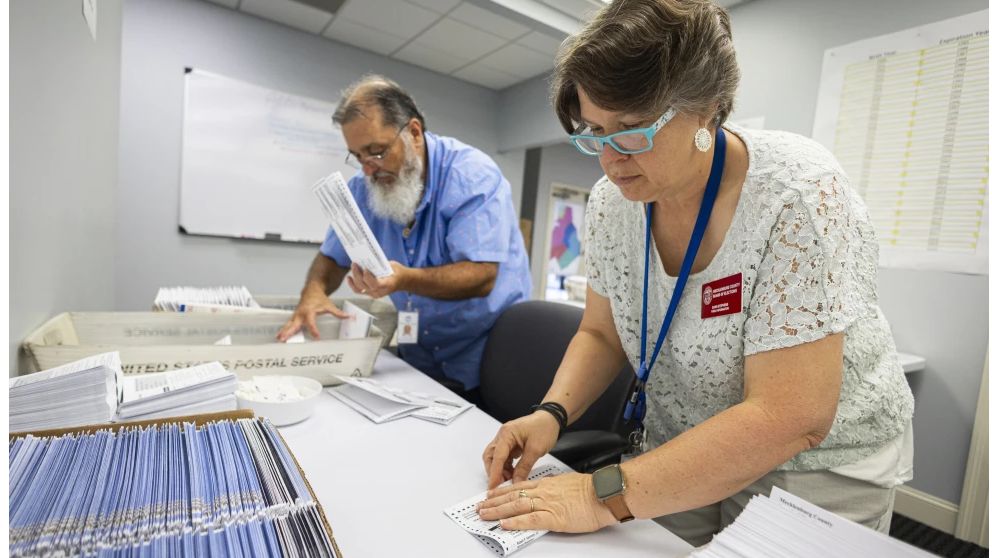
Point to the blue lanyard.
(636, 407)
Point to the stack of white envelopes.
(95, 391)
(783, 525)
(182, 299)
(82, 392)
(207, 388)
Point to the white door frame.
(973, 515)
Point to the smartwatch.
(610, 486)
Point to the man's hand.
(311, 305)
(364, 282)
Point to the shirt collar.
(433, 166)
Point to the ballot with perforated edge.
(350, 226)
(489, 533)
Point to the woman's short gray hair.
(643, 56)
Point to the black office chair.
(523, 352)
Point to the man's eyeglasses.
(628, 142)
(374, 159)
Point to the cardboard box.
(198, 420)
(382, 308)
(160, 341)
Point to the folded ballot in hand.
(349, 225)
(381, 403)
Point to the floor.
(932, 540)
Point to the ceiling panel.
(396, 17)
(354, 33)
(288, 12)
(229, 3)
(449, 35)
(443, 61)
(439, 6)
(579, 9)
(486, 77)
(484, 19)
(518, 61)
(540, 42)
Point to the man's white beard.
(398, 201)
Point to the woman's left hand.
(564, 503)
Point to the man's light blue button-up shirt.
(466, 214)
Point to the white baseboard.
(925, 508)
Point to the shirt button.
(411, 252)
(436, 348)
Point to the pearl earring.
(703, 139)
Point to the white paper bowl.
(282, 413)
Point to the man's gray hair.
(643, 56)
(397, 106)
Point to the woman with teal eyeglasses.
(736, 270)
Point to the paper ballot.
(82, 392)
(350, 226)
(381, 403)
(158, 392)
(358, 325)
(94, 390)
(489, 533)
(784, 525)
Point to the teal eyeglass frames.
(628, 142)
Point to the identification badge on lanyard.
(722, 297)
(408, 325)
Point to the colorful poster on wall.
(564, 250)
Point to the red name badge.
(722, 297)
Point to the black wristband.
(556, 410)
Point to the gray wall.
(160, 38)
(63, 161)
(559, 163)
(941, 316)
(526, 119)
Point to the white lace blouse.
(806, 249)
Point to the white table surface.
(384, 486)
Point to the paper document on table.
(489, 533)
(350, 226)
(82, 392)
(151, 393)
(783, 525)
(381, 403)
(375, 403)
(358, 325)
(440, 410)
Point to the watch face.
(608, 481)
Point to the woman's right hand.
(529, 438)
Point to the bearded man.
(443, 214)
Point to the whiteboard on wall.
(250, 156)
(907, 116)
